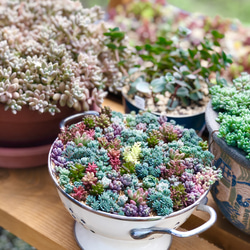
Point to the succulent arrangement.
(175, 74)
(133, 165)
(233, 106)
(55, 54)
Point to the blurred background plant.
(146, 20)
(224, 8)
(10, 242)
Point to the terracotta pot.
(197, 121)
(231, 193)
(25, 138)
(29, 128)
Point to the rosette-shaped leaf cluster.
(56, 54)
(118, 170)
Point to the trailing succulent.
(233, 106)
(133, 165)
(57, 53)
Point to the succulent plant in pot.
(136, 174)
(174, 76)
(228, 123)
(54, 62)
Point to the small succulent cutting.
(233, 106)
(133, 165)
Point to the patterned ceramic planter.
(232, 192)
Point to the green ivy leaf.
(182, 91)
(194, 96)
(204, 54)
(111, 46)
(122, 47)
(184, 101)
(170, 88)
(147, 58)
(192, 52)
(217, 34)
(158, 84)
(172, 104)
(143, 87)
(121, 63)
(197, 84)
(163, 41)
(138, 48)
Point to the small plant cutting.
(134, 165)
(55, 54)
(233, 106)
(174, 76)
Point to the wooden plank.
(114, 102)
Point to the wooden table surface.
(31, 209)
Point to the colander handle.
(75, 117)
(142, 233)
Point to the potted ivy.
(130, 181)
(55, 61)
(175, 75)
(228, 123)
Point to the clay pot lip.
(237, 154)
(27, 157)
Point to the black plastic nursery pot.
(232, 192)
(197, 121)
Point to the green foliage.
(178, 70)
(233, 105)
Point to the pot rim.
(213, 127)
(116, 216)
(158, 113)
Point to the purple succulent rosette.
(133, 165)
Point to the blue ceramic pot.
(232, 192)
(197, 121)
